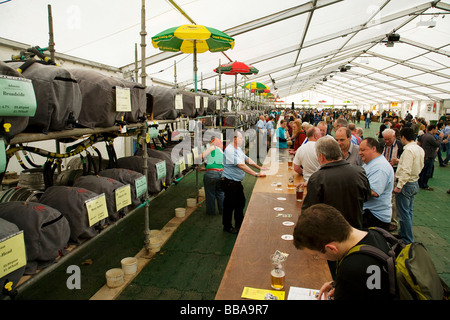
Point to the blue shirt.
(231, 158)
(269, 127)
(381, 178)
(260, 125)
(281, 133)
(446, 131)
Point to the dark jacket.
(341, 185)
(429, 144)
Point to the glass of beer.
(277, 276)
(290, 160)
(291, 183)
(300, 193)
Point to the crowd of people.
(353, 182)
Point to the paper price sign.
(12, 253)
(123, 197)
(161, 170)
(17, 97)
(141, 186)
(182, 165)
(197, 102)
(195, 152)
(190, 161)
(153, 132)
(97, 209)
(176, 169)
(3, 159)
(123, 99)
(179, 102)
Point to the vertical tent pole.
(195, 66)
(144, 133)
(136, 68)
(51, 43)
(221, 98)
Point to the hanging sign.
(97, 209)
(195, 152)
(123, 196)
(123, 99)
(182, 164)
(176, 168)
(153, 132)
(161, 170)
(3, 158)
(141, 186)
(17, 97)
(179, 102)
(12, 253)
(197, 102)
(190, 161)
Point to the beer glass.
(300, 193)
(277, 276)
(291, 182)
(290, 160)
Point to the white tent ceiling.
(296, 45)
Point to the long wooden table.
(261, 235)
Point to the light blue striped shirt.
(231, 158)
(381, 178)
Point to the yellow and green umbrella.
(193, 39)
(257, 87)
(268, 95)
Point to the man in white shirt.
(409, 167)
(305, 160)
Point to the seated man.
(322, 230)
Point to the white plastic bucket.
(114, 277)
(155, 244)
(191, 202)
(129, 265)
(180, 212)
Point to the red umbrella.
(235, 68)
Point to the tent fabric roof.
(297, 46)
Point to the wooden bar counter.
(261, 235)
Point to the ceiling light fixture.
(393, 37)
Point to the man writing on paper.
(322, 230)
